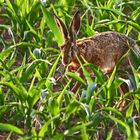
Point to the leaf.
(84, 132)
(135, 131)
(5, 53)
(110, 87)
(122, 124)
(35, 34)
(58, 137)
(1, 98)
(6, 108)
(85, 72)
(53, 26)
(134, 24)
(51, 73)
(53, 107)
(109, 134)
(136, 76)
(137, 105)
(96, 119)
(30, 69)
(59, 99)
(130, 110)
(135, 60)
(89, 92)
(76, 128)
(37, 53)
(18, 91)
(72, 108)
(113, 110)
(45, 127)
(118, 12)
(33, 97)
(8, 127)
(111, 79)
(98, 73)
(3, 26)
(76, 77)
(86, 108)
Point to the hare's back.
(112, 41)
(104, 49)
(107, 43)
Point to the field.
(36, 101)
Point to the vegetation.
(35, 97)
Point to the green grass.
(35, 97)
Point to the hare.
(103, 50)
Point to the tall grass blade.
(30, 69)
(52, 25)
(51, 73)
(8, 127)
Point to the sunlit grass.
(35, 97)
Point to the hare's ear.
(61, 26)
(74, 26)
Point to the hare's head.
(69, 49)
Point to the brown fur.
(103, 50)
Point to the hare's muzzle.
(66, 58)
